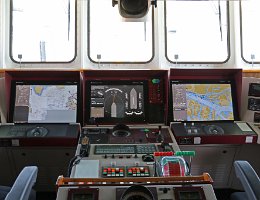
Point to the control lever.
(166, 147)
(84, 150)
(92, 121)
(159, 137)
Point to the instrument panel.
(131, 163)
(123, 134)
(151, 192)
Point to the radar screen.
(45, 102)
(117, 102)
(202, 101)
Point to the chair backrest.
(23, 184)
(248, 178)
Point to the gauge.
(114, 103)
(137, 192)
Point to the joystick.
(214, 130)
(166, 147)
(159, 137)
(37, 132)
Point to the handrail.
(205, 178)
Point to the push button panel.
(138, 171)
(108, 172)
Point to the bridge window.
(43, 30)
(250, 31)
(197, 31)
(111, 39)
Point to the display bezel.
(89, 120)
(179, 190)
(233, 95)
(253, 89)
(14, 83)
(83, 191)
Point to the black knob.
(121, 130)
(148, 158)
(165, 190)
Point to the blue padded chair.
(249, 180)
(22, 187)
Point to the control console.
(39, 134)
(120, 160)
(121, 150)
(122, 134)
(124, 162)
(213, 133)
(151, 192)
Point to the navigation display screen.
(115, 101)
(202, 101)
(45, 103)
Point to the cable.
(73, 162)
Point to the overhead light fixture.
(134, 8)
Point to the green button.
(155, 81)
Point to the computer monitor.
(116, 101)
(203, 100)
(45, 101)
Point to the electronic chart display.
(117, 101)
(45, 102)
(202, 101)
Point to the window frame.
(196, 62)
(241, 37)
(117, 62)
(39, 62)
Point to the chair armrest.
(248, 178)
(23, 184)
